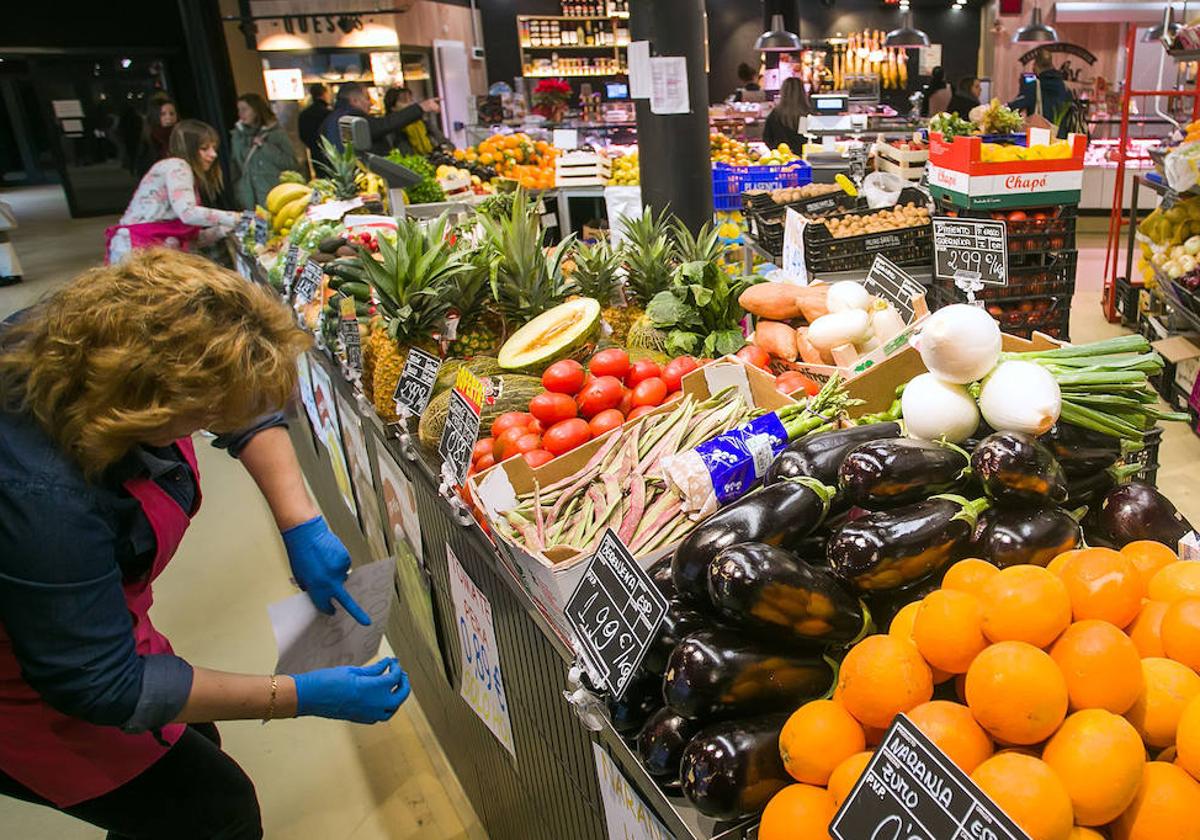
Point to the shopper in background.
(310, 119)
(1046, 95)
(420, 136)
(101, 389)
(352, 100)
(167, 207)
(783, 123)
(937, 93)
(747, 81)
(259, 151)
(161, 117)
(966, 96)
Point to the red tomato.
(610, 418)
(642, 370)
(482, 447)
(626, 404)
(536, 426)
(793, 380)
(508, 420)
(611, 362)
(605, 392)
(1017, 216)
(650, 391)
(549, 408)
(639, 411)
(810, 386)
(565, 377)
(565, 436)
(754, 355)
(486, 461)
(676, 369)
(527, 443)
(537, 457)
(505, 444)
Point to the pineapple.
(479, 331)
(415, 282)
(340, 168)
(705, 246)
(595, 275)
(649, 255)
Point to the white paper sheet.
(638, 57)
(626, 815)
(308, 639)
(669, 85)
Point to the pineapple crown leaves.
(340, 167)
(705, 246)
(595, 272)
(648, 253)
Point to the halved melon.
(555, 334)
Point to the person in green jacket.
(259, 151)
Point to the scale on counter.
(831, 114)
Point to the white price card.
(669, 85)
(625, 813)
(482, 677)
(794, 261)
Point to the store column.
(673, 148)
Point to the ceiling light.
(1035, 32)
(777, 39)
(907, 35)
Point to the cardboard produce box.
(551, 576)
(958, 174)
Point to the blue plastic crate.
(729, 182)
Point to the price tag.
(416, 381)
(243, 225)
(348, 333)
(912, 791)
(290, 258)
(462, 425)
(857, 166)
(615, 612)
(890, 282)
(260, 230)
(794, 260)
(308, 282)
(970, 249)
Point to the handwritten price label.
(482, 676)
(416, 381)
(625, 813)
(974, 249)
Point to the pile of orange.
(725, 149)
(515, 156)
(1078, 698)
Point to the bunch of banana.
(323, 187)
(291, 176)
(286, 203)
(368, 182)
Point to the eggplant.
(661, 742)
(820, 456)
(792, 508)
(891, 548)
(660, 574)
(1081, 452)
(1017, 470)
(775, 594)
(718, 673)
(643, 697)
(1137, 511)
(731, 770)
(890, 473)
(885, 603)
(680, 621)
(1019, 536)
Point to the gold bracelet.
(271, 703)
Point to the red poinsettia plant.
(550, 97)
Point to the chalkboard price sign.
(615, 612)
(911, 790)
(973, 250)
(462, 425)
(348, 333)
(892, 283)
(416, 381)
(308, 282)
(260, 230)
(290, 259)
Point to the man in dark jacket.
(352, 101)
(310, 119)
(1055, 95)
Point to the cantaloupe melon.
(555, 334)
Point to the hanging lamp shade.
(777, 39)
(907, 35)
(1035, 32)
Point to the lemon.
(784, 148)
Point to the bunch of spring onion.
(621, 486)
(1105, 385)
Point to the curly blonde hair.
(129, 351)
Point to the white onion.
(837, 328)
(959, 343)
(887, 323)
(1020, 397)
(846, 294)
(934, 409)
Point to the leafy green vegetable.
(428, 190)
(950, 125)
(699, 310)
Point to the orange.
(1027, 790)
(1166, 806)
(1148, 556)
(1056, 565)
(1081, 833)
(1101, 666)
(969, 575)
(1104, 585)
(948, 630)
(798, 811)
(1025, 604)
(845, 776)
(954, 730)
(1167, 755)
(817, 738)
(881, 677)
(902, 628)
(1175, 581)
(1181, 632)
(1098, 757)
(1146, 630)
(1016, 692)
(1187, 738)
(1167, 686)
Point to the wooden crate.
(582, 169)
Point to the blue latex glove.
(362, 695)
(320, 564)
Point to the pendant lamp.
(907, 35)
(777, 39)
(1035, 32)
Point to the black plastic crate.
(904, 246)
(1038, 220)
(1055, 277)
(1125, 299)
(834, 201)
(1147, 457)
(1021, 315)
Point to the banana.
(283, 194)
(291, 211)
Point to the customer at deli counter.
(747, 82)
(1046, 95)
(352, 100)
(783, 123)
(259, 150)
(937, 93)
(966, 96)
(308, 124)
(166, 208)
(102, 387)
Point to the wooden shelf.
(604, 47)
(564, 17)
(596, 75)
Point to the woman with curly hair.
(101, 388)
